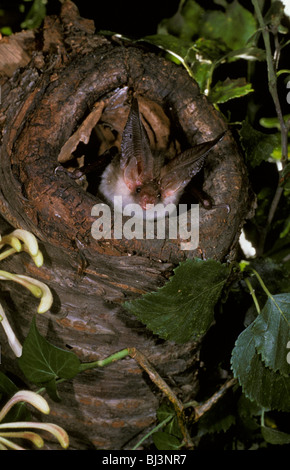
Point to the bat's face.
(147, 194)
(141, 177)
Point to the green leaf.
(285, 176)
(183, 309)
(234, 26)
(165, 441)
(272, 333)
(249, 53)
(275, 437)
(6, 30)
(7, 387)
(258, 146)
(217, 421)
(274, 14)
(286, 228)
(36, 15)
(229, 89)
(269, 389)
(202, 58)
(19, 411)
(210, 49)
(165, 411)
(202, 74)
(169, 43)
(186, 21)
(273, 122)
(41, 362)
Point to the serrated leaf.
(229, 90)
(41, 362)
(234, 26)
(269, 389)
(271, 331)
(183, 309)
(258, 146)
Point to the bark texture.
(67, 97)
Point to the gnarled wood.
(43, 105)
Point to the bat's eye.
(138, 189)
(158, 195)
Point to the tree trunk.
(69, 99)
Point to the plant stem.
(272, 84)
(265, 289)
(104, 362)
(200, 410)
(154, 376)
(160, 425)
(162, 385)
(252, 292)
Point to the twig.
(154, 376)
(200, 410)
(162, 385)
(272, 83)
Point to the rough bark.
(44, 103)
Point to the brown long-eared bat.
(145, 178)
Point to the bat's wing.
(179, 171)
(136, 159)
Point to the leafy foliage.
(43, 363)
(183, 309)
(226, 50)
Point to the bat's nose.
(147, 202)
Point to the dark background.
(131, 17)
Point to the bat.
(144, 177)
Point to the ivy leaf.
(258, 146)
(183, 309)
(269, 389)
(272, 333)
(41, 362)
(229, 89)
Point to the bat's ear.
(179, 171)
(132, 176)
(136, 156)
